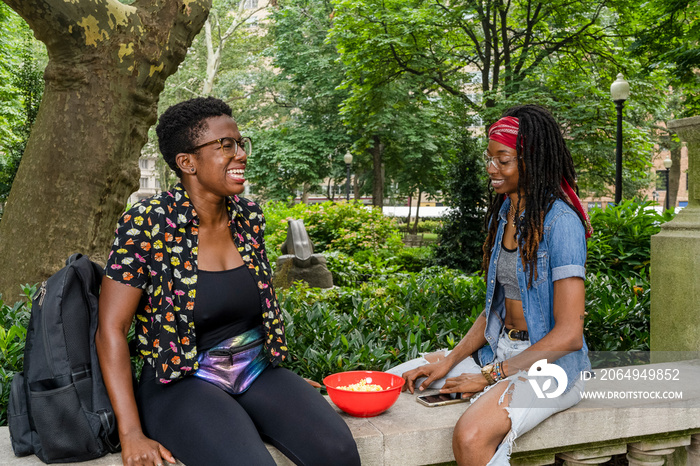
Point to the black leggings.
(203, 425)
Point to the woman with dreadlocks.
(522, 359)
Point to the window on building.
(144, 182)
(249, 4)
(661, 180)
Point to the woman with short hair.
(190, 265)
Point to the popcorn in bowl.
(363, 393)
(363, 385)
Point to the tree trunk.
(408, 218)
(213, 59)
(107, 66)
(240, 18)
(355, 188)
(378, 173)
(415, 226)
(306, 189)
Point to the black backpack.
(59, 409)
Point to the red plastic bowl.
(363, 404)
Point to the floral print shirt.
(155, 248)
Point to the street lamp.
(348, 161)
(619, 92)
(667, 164)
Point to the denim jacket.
(561, 254)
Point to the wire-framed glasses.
(500, 162)
(229, 146)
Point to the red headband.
(505, 131)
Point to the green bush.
(13, 334)
(621, 241)
(378, 325)
(618, 312)
(348, 228)
(426, 226)
(413, 259)
(276, 216)
(352, 271)
(618, 292)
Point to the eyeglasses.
(229, 146)
(501, 162)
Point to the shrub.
(13, 334)
(348, 228)
(276, 216)
(378, 325)
(621, 241)
(352, 271)
(618, 312)
(413, 259)
(428, 226)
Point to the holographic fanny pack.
(234, 364)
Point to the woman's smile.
(236, 175)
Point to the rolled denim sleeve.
(567, 247)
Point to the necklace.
(511, 214)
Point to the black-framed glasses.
(229, 146)
(501, 162)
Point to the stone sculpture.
(298, 261)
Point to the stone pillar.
(590, 456)
(654, 452)
(675, 261)
(694, 450)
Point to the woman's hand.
(466, 384)
(313, 383)
(139, 450)
(433, 372)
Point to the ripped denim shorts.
(526, 409)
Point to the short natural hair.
(181, 124)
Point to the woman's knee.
(341, 452)
(482, 432)
(467, 437)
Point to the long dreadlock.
(543, 161)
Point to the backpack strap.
(73, 258)
(108, 424)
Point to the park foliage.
(391, 302)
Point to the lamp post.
(667, 164)
(619, 92)
(348, 161)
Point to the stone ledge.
(412, 434)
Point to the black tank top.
(227, 304)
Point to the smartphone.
(441, 399)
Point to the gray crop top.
(505, 273)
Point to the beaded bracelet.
(497, 373)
